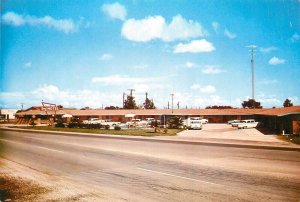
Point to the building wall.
(290, 124)
(8, 113)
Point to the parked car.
(136, 122)
(251, 123)
(192, 123)
(233, 121)
(93, 121)
(204, 121)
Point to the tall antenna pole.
(252, 68)
(252, 47)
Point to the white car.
(233, 121)
(93, 121)
(204, 121)
(250, 123)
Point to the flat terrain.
(116, 169)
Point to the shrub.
(106, 127)
(60, 125)
(73, 125)
(117, 128)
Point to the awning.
(67, 116)
(129, 115)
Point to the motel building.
(275, 119)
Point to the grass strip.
(129, 132)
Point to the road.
(159, 171)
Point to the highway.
(141, 170)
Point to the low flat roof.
(156, 112)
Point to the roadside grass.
(129, 132)
(290, 138)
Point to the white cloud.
(195, 46)
(208, 89)
(143, 30)
(211, 69)
(182, 29)
(210, 101)
(269, 100)
(295, 37)
(64, 25)
(276, 61)
(204, 89)
(268, 49)
(106, 57)
(27, 64)
(190, 65)
(13, 19)
(215, 26)
(155, 27)
(115, 11)
(229, 34)
(122, 80)
(294, 99)
(195, 86)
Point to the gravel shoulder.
(22, 183)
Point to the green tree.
(287, 103)
(129, 103)
(174, 122)
(251, 104)
(219, 107)
(111, 107)
(149, 104)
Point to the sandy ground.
(42, 186)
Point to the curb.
(138, 139)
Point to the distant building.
(7, 114)
(278, 119)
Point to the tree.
(111, 107)
(175, 122)
(251, 104)
(129, 103)
(218, 107)
(149, 104)
(287, 103)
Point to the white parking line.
(186, 178)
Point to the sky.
(88, 53)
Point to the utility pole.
(146, 95)
(168, 105)
(172, 94)
(178, 104)
(252, 67)
(131, 89)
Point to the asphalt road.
(159, 171)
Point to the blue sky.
(87, 53)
